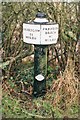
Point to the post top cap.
(40, 18)
(41, 15)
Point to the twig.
(14, 59)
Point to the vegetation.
(17, 62)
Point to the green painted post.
(40, 65)
(40, 70)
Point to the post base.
(39, 94)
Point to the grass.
(20, 105)
(12, 108)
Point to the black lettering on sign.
(32, 30)
(45, 39)
(29, 37)
(31, 34)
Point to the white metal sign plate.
(49, 34)
(40, 34)
(31, 33)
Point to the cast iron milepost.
(41, 33)
(40, 62)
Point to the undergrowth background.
(17, 62)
